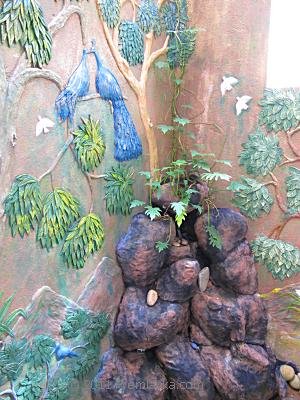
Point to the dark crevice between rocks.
(191, 344)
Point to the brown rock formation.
(179, 282)
(141, 263)
(185, 370)
(128, 376)
(139, 326)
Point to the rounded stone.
(295, 383)
(152, 297)
(287, 372)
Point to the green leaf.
(152, 212)
(215, 176)
(60, 210)
(23, 204)
(148, 17)
(137, 203)
(119, 190)
(131, 42)
(32, 386)
(261, 153)
(214, 237)
(110, 10)
(41, 350)
(89, 145)
(161, 246)
(224, 162)
(251, 197)
(293, 190)
(24, 24)
(84, 239)
(281, 258)
(182, 121)
(165, 128)
(180, 209)
(74, 323)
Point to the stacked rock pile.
(180, 335)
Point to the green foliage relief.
(31, 369)
(261, 157)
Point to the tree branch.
(276, 232)
(122, 64)
(10, 393)
(62, 17)
(58, 157)
(279, 198)
(294, 149)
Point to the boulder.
(249, 372)
(140, 261)
(179, 282)
(178, 251)
(140, 326)
(128, 376)
(237, 272)
(232, 228)
(189, 378)
(225, 318)
(198, 336)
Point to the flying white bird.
(241, 104)
(228, 83)
(43, 126)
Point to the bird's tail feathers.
(128, 145)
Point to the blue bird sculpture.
(61, 352)
(127, 142)
(77, 86)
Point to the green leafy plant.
(110, 10)
(23, 204)
(84, 239)
(148, 17)
(89, 145)
(60, 210)
(251, 197)
(32, 370)
(23, 23)
(131, 42)
(213, 236)
(119, 190)
(261, 156)
(7, 318)
(281, 258)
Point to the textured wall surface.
(24, 266)
(233, 40)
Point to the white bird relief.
(228, 83)
(242, 104)
(43, 126)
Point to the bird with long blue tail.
(128, 145)
(77, 86)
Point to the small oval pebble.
(203, 279)
(176, 244)
(287, 372)
(295, 383)
(184, 242)
(152, 297)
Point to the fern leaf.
(119, 190)
(60, 210)
(74, 323)
(89, 145)
(32, 386)
(41, 350)
(23, 204)
(22, 22)
(83, 240)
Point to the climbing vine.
(262, 156)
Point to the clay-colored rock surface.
(179, 282)
(140, 261)
(198, 336)
(185, 371)
(139, 326)
(232, 227)
(237, 272)
(226, 318)
(248, 373)
(129, 376)
(178, 252)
